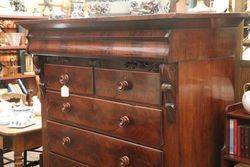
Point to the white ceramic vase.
(246, 98)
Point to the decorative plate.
(107, 7)
(140, 7)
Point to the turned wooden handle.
(66, 141)
(166, 87)
(170, 112)
(66, 107)
(124, 161)
(124, 121)
(123, 86)
(64, 79)
(37, 71)
(42, 89)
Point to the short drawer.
(78, 79)
(60, 161)
(99, 150)
(139, 124)
(143, 87)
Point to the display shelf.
(246, 42)
(239, 114)
(237, 159)
(18, 76)
(16, 17)
(23, 47)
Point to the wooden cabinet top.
(169, 37)
(141, 22)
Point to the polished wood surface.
(57, 160)
(233, 111)
(135, 20)
(58, 76)
(108, 83)
(173, 74)
(97, 149)
(203, 43)
(94, 40)
(134, 123)
(195, 126)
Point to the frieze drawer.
(99, 150)
(78, 79)
(142, 87)
(139, 124)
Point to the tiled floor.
(31, 156)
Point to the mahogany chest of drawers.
(144, 91)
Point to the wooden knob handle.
(66, 107)
(37, 71)
(170, 106)
(64, 79)
(124, 161)
(124, 121)
(42, 89)
(66, 141)
(170, 112)
(123, 86)
(166, 87)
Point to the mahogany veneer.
(68, 75)
(145, 91)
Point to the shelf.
(13, 47)
(237, 159)
(246, 42)
(239, 114)
(16, 17)
(19, 76)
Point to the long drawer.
(60, 161)
(78, 79)
(143, 87)
(139, 124)
(99, 150)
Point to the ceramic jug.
(246, 98)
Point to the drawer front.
(143, 87)
(99, 150)
(78, 79)
(59, 161)
(139, 124)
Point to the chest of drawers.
(144, 91)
